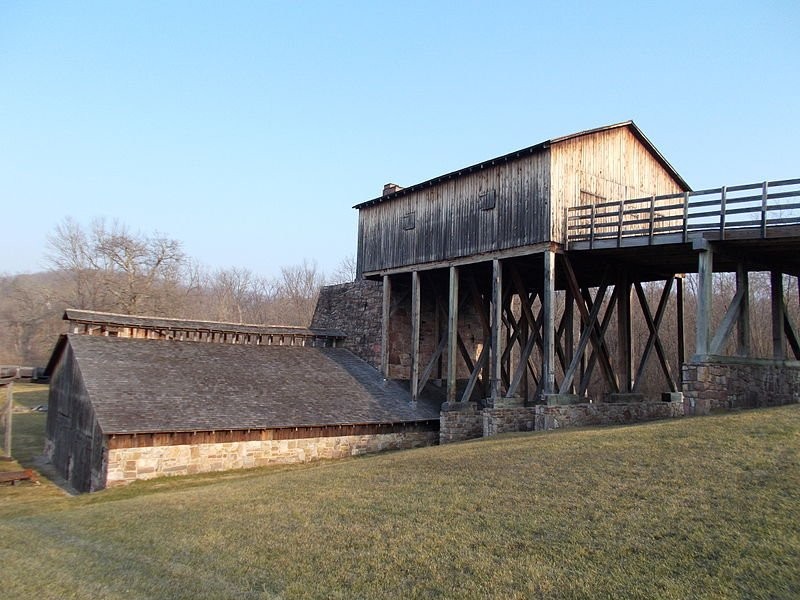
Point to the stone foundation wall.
(506, 420)
(603, 413)
(129, 464)
(730, 382)
(460, 421)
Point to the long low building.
(123, 409)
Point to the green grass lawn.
(695, 508)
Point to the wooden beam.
(590, 364)
(583, 341)
(473, 378)
(9, 417)
(778, 306)
(728, 321)
(596, 339)
(415, 329)
(452, 336)
(654, 324)
(496, 362)
(385, 321)
(743, 322)
(791, 335)
(569, 332)
(681, 341)
(624, 341)
(548, 324)
(705, 275)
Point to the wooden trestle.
(558, 321)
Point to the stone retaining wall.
(129, 464)
(722, 382)
(604, 413)
(458, 423)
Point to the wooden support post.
(624, 348)
(386, 317)
(569, 332)
(679, 279)
(743, 322)
(548, 325)
(778, 307)
(452, 336)
(9, 417)
(705, 274)
(415, 326)
(496, 362)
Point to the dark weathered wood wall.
(72, 429)
(451, 219)
(531, 195)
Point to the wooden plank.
(452, 336)
(415, 329)
(385, 322)
(778, 306)
(624, 337)
(9, 417)
(705, 274)
(679, 315)
(473, 378)
(743, 322)
(791, 335)
(548, 324)
(497, 325)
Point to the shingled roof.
(148, 386)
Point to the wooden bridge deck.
(758, 223)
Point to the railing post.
(652, 217)
(591, 230)
(722, 212)
(619, 222)
(685, 217)
(764, 196)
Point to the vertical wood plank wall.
(604, 166)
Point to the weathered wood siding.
(75, 444)
(602, 167)
(451, 219)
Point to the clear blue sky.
(247, 130)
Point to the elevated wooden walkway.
(758, 222)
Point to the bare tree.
(345, 271)
(114, 269)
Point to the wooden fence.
(755, 206)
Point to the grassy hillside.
(695, 508)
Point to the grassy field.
(695, 508)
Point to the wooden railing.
(756, 206)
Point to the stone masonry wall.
(506, 420)
(729, 382)
(603, 413)
(354, 308)
(460, 421)
(130, 464)
(463, 422)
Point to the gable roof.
(149, 386)
(630, 125)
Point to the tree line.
(107, 267)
